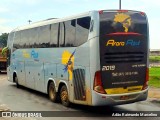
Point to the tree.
(3, 40)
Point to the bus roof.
(55, 20)
(50, 21)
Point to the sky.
(14, 13)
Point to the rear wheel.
(64, 96)
(52, 92)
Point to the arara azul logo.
(124, 19)
(122, 44)
(34, 54)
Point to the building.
(154, 52)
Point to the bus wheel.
(52, 92)
(64, 96)
(16, 81)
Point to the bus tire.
(64, 96)
(16, 81)
(52, 92)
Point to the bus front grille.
(123, 57)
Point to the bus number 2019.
(108, 68)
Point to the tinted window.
(62, 35)
(44, 36)
(10, 39)
(111, 22)
(70, 33)
(33, 37)
(65, 34)
(17, 38)
(92, 26)
(24, 39)
(82, 30)
(54, 35)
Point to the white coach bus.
(96, 58)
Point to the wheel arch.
(61, 83)
(49, 81)
(14, 75)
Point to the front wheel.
(64, 96)
(16, 81)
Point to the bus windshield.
(123, 51)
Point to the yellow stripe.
(122, 90)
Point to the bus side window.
(8, 57)
(54, 35)
(82, 30)
(33, 37)
(22, 44)
(62, 35)
(28, 35)
(17, 38)
(92, 26)
(24, 38)
(10, 40)
(70, 31)
(44, 36)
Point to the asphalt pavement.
(23, 99)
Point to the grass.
(154, 71)
(154, 58)
(154, 79)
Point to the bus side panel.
(9, 56)
(50, 74)
(10, 73)
(73, 69)
(30, 78)
(94, 62)
(39, 76)
(10, 69)
(21, 72)
(94, 51)
(88, 86)
(14, 66)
